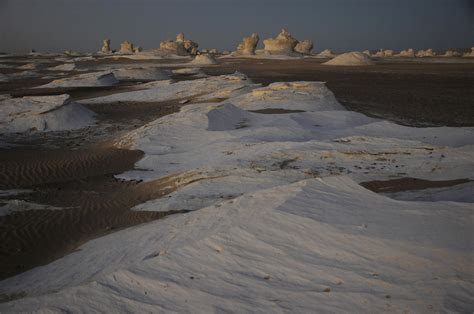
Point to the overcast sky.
(341, 25)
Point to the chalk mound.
(43, 113)
(204, 59)
(351, 59)
(140, 74)
(96, 79)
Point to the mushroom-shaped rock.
(106, 46)
(137, 49)
(304, 47)
(248, 45)
(126, 47)
(408, 53)
(351, 59)
(284, 43)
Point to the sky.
(340, 25)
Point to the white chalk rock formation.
(426, 53)
(384, 53)
(367, 53)
(137, 49)
(180, 46)
(213, 51)
(326, 54)
(469, 54)
(379, 54)
(304, 47)
(126, 47)
(388, 53)
(96, 79)
(43, 113)
(283, 44)
(408, 53)
(351, 59)
(248, 45)
(204, 59)
(140, 74)
(106, 46)
(452, 53)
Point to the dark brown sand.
(409, 184)
(79, 180)
(75, 170)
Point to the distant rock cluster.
(283, 44)
(180, 46)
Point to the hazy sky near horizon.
(341, 25)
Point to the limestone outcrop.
(106, 46)
(367, 53)
(248, 45)
(181, 46)
(283, 44)
(126, 47)
(304, 47)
